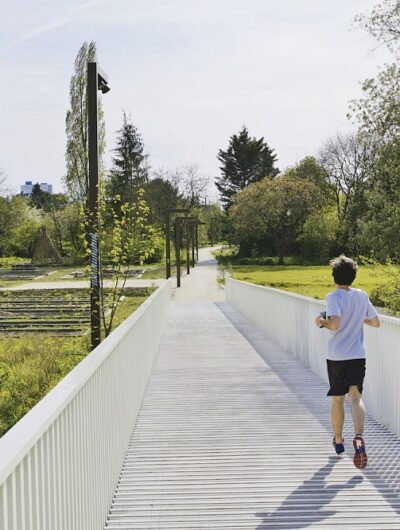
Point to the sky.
(190, 72)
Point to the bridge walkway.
(234, 433)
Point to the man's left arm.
(332, 315)
(332, 323)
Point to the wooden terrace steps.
(234, 433)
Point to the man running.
(347, 310)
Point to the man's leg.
(337, 415)
(357, 409)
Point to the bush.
(29, 369)
(387, 294)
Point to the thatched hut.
(44, 250)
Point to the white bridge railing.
(59, 465)
(289, 320)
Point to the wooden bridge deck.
(234, 433)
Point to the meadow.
(314, 281)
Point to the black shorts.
(343, 374)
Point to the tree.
(247, 160)
(129, 240)
(378, 225)
(377, 113)
(191, 185)
(130, 171)
(274, 211)
(26, 222)
(39, 198)
(160, 195)
(54, 209)
(383, 23)
(3, 182)
(77, 176)
(347, 161)
(308, 168)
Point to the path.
(78, 284)
(234, 433)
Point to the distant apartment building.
(26, 189)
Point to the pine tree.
(130, 171)
(246, 160)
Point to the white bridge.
(206, 413)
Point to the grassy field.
(314, 281)
(31, 365)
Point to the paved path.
(234, 433)
(201, 283)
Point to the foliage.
(29, 368)
(387, 292)
(39, 198)
(127, 241)
(378, 111)
(383, 23)
(8, 262)
(246, 161)
(191, 187)
(348, 162)
(378, 115)
(130, 167)
(318, 238)
(23, 229)
(273, 212)
(160, 195)
(77, 176)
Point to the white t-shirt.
(353, 307)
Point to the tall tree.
(377, 113)
(247, 160)
(130, 163)
(160, 195)
(76, 156)
(348, 162)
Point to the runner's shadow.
(304, 506)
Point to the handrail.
(59, 464)
(288, 318)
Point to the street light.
(212, 229)
(96, 80)
(168, 238)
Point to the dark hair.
(344, 270)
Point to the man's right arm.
(372, 318)
(373, 322)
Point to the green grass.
(30, 366)
(313, 281)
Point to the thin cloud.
(52, 25)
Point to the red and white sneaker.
(360, 456)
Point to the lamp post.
(96, 80)
(192, 230)
(197, 237)
(168, 238)
(212, 229)
(178, 233)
